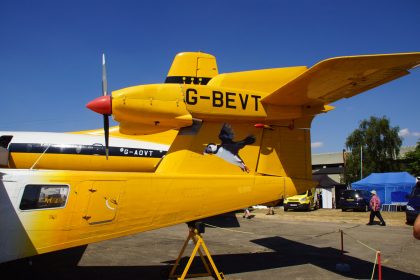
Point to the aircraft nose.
(101, 105)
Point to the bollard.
(379, 266)
(342, 267)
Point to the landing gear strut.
(195, 231)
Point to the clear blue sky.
(50, 53)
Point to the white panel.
(327, 198)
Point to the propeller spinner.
(103, 105)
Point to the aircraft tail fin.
(192, 68)
(276, 155)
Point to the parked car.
(413, 205)
(355, 200)
(304, 201)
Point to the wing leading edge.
(342, 77)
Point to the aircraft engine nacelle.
(150, 108)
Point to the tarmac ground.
(288, 245)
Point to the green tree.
(413, 160)
(379, 145)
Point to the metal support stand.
(195, 236)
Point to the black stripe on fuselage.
(84, 150)
(187, 80)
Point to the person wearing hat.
(375, 209)
(416, 226)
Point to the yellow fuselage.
(199, 145)
(104, 205)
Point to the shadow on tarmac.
(325, 258)
(227, 220)
(63, 265)
(291, 253)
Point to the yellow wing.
(342, 77)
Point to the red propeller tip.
(101, 105)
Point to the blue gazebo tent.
(391, 187)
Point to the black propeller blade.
(106, 116)
(106, 133)
(103, 105)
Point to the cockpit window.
(44, 196)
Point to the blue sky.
(50, 53)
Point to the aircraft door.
(102, 201)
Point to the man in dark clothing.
(375, 209)
(416, 226)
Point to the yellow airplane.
(199, 145)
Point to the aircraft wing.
(342, 77)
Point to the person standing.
(375, 209)
(247, 213)
(270, 210)
(416, 228)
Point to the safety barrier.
(377, 254)
(377, 261)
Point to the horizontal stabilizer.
(342, 77)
